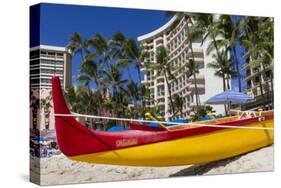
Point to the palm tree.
(125, 63)
(71, 96)
(163, 68)
(34, 105)
(193, 33)
(210, 27)
(46, 106)
(101, 46)
(89, 73)
(128, 50)
(113, 77)
(231, 38)
(223, 69)
(191, 69)
(134, 92)
(257, 38)
(178, 103)
(76, 45)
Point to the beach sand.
(60, 170)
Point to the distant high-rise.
(47, 61)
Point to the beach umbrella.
(230, 97)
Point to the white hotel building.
(47, 61)
(175, 40)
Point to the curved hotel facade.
(174, 39)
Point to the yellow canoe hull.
(189, 150)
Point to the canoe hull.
(179, 145)
(196, 149)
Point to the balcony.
(197, 52)
(160, 96)
(161, 103)
(179, 89)
(160, 83)
(146, 81)
(200, 88)
(260, 100)
(199, 77)
(193, 104)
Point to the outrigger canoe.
(178, 145)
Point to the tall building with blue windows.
(256, 80)
(237, 82)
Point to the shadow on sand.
(201, 169)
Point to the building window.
(59, 71)
(35, 71)
(248, 72)
(43, 52)
(34, 62)
(257, 79)
(34, 54)
(60, 54)
(249, 84)
(34, 81)
(45, 81)
(267, 75)
(52, 53)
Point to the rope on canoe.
(163, 122)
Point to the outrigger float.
(191, 143)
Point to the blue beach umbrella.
(228, 97)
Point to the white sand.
(60, 170)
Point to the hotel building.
(47, 61)
(258, 80)
(174, 39)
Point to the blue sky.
(58, 22)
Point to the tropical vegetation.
(105, 90)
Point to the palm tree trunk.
(219, 57)
(100, 110)
(228, 84)
(194, 75)
(193, 60)
(104, 60)
(142, 94)
(224, 88)
(272, 88)
(196, 91)
(262, 94)
(82, 55)
(138, 70)
(217, 49)
(170, 94)
(34, 116)
(116, 102)
(261, 88)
